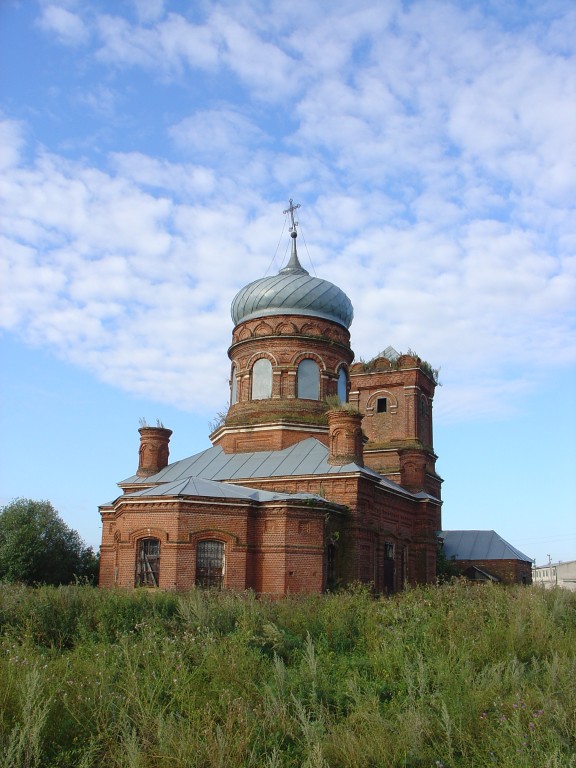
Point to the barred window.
(148, 563)
(210, 563)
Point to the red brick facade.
(396, 400)
(506, 571)
(279, 548)
(276, 548)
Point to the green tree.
(37, 547)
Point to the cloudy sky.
(147, 151)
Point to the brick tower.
(395, 393)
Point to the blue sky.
(147, 151)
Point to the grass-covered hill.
(451, 676)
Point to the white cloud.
(430, 145)
(101, 99)
(11, 141)
(164, 47)
(267, 70)
(187, 181)
(217, 131)
(69, 27)
(149, 10)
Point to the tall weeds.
(455, 677)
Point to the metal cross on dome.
(291, 210)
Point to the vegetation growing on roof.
(143, 423)
(334, 403)
(395, 363)
(218, 420)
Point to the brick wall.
(404, 423)
(508, 571)
(375, 518)
(269, 547)
(278, 548)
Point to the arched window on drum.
(262, 379)
(233, 387)
(308, 380)
(343, 385)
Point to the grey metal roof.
(293, 291)
(479, 545)
(308, 457)
(197, 486)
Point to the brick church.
(321, 474)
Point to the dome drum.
(291, 328)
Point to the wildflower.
(531, 726)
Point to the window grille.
(210, 564)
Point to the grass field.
(449, 676)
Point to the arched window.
(308, 383)
(148, 563)
(233, 387)
(262, 379)
(342, 385)
(210, 563)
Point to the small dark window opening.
(148, 563)
(210, 564)
(388, 571)
(331, 566)
(381, 405)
